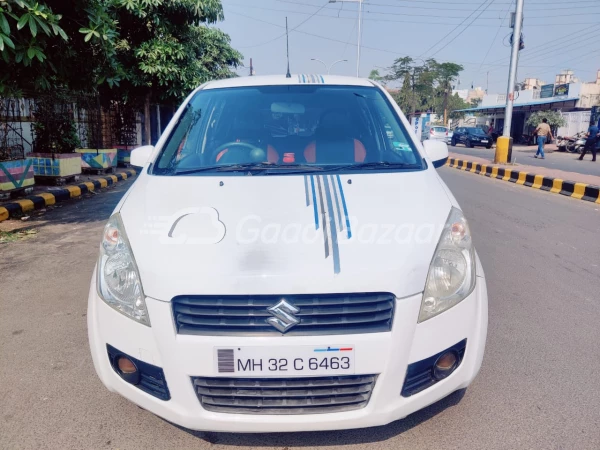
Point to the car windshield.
(476, 131)
(439, 129)
(288, 129)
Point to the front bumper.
(384, 354)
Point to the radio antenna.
(287, 43)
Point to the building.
(469, 94)
(565, 77)
(532, 84)
(573, 99)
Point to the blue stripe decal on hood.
(334, 238)
(345, 208)
(337, 203)
(314, 197)
(306, 190)
(323, 217)
(322, 79)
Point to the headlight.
(451, 276)
(118, 280)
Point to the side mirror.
(141, 155)
(437, 151)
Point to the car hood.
(285, 234)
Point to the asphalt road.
(538, 387)
(553, 160)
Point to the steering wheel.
(255, 153)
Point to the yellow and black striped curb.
(580, 191)
(43, 199)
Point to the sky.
(558, 35)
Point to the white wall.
(577, 121)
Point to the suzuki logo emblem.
(284, 316)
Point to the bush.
(54, 126)
(554, 118)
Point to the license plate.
(484, 141)
(284, 361)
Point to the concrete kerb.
(581, 191)
(41, 200)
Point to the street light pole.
(360, 4)
(504, 143)
(328, 69)
(322, 62)
(360, 8)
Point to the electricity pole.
(504, 143)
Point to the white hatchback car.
(287, 260)
(438, 133)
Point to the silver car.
(438, 133)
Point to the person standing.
(544, 133)
(590, 143)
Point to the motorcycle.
(571, 144)
(579, 145)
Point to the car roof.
(296, 79)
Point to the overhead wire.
(529, 2)
(451, 31)
(541, 52)
(293, 29)
(386, 14)
(551, 42)
(421, 6)
(462, 31)
(495, 37)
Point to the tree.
(155, 49)
(375, 76)
(554, 118)
(405, 96)
(426, 85)
(166, 49)
(27, 29)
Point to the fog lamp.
(445, 365)
(128, 370)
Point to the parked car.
(242, 285)
(438, 133)
(471, 137)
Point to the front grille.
(284, 395)
(318, 314)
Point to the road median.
(555, 181)
(40, 200)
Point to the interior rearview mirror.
(141, 155)
(437, 151)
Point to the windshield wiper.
(250, 167)
(373, 166)
(269, 166)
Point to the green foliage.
(126, 49)
(376, 76)
(54, 126)
(26, 29)
(166, 52)
(424, 84)
(555, 119)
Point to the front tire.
(453, 142)
(469, 144)
(488, 146)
